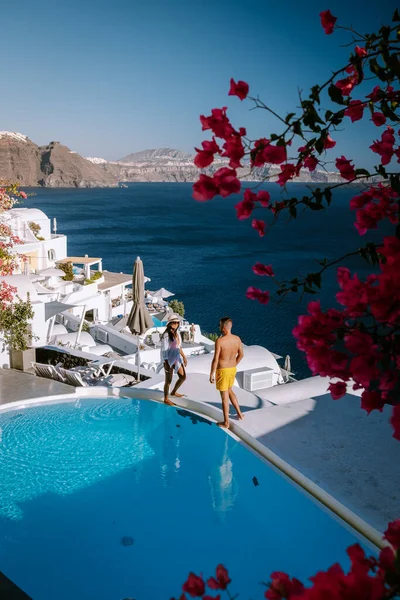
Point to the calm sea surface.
(204, 254)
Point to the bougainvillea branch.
(369, 578)
(357, 344)
(370, 309)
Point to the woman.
(173, 357)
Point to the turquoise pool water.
(112, 499)
(157, 322)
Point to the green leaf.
(337, 119)
(293, 211)
(296, 128)
(315, 206)
(396, 16)
(308, 290)
(395, 183)
(362, 172)
(289, 117)
(315, 279)
(311, 117)
(315, 93)
(273, 137)
(335, 94)
(328, 195)
(319, 145)
(381, 171)
(377, 70)
(328, 115)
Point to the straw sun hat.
(174, 317)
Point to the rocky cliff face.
(166, 164)
(54, 165)
(62, 168)
(19, 159)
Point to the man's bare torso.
(230, 346)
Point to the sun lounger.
(48, 371)
(80, 379)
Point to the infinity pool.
(114, 499)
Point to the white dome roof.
(254, 357)
(28, 214)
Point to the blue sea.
(202, 253)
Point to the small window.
(51, 254)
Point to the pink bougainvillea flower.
(264, 152)
(23, 195)
(221, 580)
(260, 269)
(311, 163)
(338, 389)
(205, 188)
(288, 172)
(372, 400)
(263, 198)
(327, 21)
(395, 421)
(218, 122)
(194, 586)
(205, 157)
(355, 110)
(347, 84)
(259, 226)
(239, 89)
(384, 146)
(345, 168)
(254, 293)
(392, 534)
(234, 150)
(246, 206)
(376, 94)
(227, 182)
(361, 52)
(378, 119)
(329, 143)
(281, 586)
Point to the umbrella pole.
(78, 333)
(138, 355)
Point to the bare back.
(230, 346)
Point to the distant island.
(55, 165)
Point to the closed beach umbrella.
(288, 366)
(139, 320)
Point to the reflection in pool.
(111, 499)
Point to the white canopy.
(52, 272)
(162, 293)
(54, 308)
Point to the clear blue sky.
(110, 78)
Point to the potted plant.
(17, 332)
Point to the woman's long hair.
(171, 335)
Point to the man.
(228, 354)
(192, 332)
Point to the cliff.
(22, 161)
(62, 168)
(56, 165)
(167, 164)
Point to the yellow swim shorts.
(225, 378)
